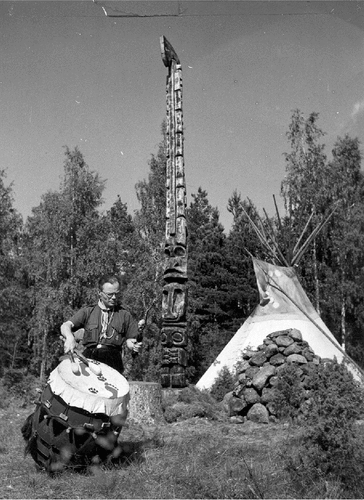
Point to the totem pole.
(174, 302)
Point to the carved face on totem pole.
(174, 302)
(175, 252)
(174, 336)
(175, 263)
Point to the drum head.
(106, 393)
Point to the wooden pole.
(174, 302)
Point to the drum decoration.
(78, 417)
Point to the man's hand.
(133, 345)
(69, 340)
(69, 344)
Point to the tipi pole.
(275, 285)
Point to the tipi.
(283, 305)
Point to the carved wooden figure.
(174, 305)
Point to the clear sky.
(70, 75)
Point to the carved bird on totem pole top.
(168, 52)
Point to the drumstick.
(93, 368)
(74, 365)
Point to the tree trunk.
(343, 323)
(343, 312)
(316, 281)
(44, 356)
(14, 353)
(145, 405)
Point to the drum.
(79, 415)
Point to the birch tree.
(303, 189)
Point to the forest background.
(51, 262)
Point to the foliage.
(305, 198)
(289, 394)
(189, 402)
(144, 292)
(223, 384)
(50, 265)
(313, 187)
(195, 458)
(68, 245)
(13, 292)
(329, 446)
(19, 386)
(208, 280)
(242, 243)
(344, 255)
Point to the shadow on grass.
(127, 453)
(79, 452)
(131, 449)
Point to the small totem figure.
(174, 304)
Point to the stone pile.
(257, 375)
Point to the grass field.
(194, 458)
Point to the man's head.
(109, 290)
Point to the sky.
(73, 76)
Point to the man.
(107, 326)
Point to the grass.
(193, 458)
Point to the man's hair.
(108, 278)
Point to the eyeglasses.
(111, 295)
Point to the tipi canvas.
(283, 305)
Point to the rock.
(271, 408)
(284, 341)
(280, 367)
(243, 365)
(237, 419)
(277, 359)
(248, 353)
(241, 378)
(235, 405)
(251, 396)
(258, 359)
(238, 391)
(261, 377)
(258, 374)
(268, 395)
(226, 401)
(293, 349)
(308, 354)
(304, 344)
(296, 358)
(250, 372)
(295, 334)
(271, 349)
(258, 413)
(274, 335)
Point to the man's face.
(110, 294)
